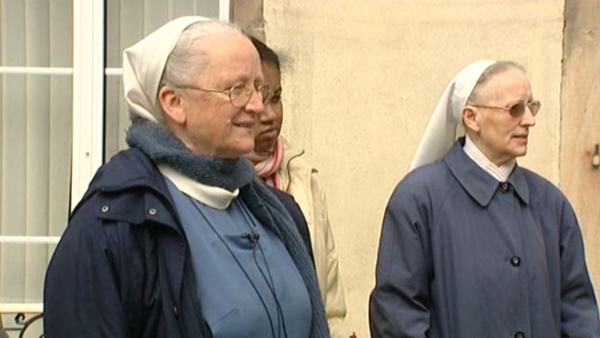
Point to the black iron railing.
(22, 323)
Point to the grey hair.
(496, 68)
(187, 60)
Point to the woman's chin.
(263, 146)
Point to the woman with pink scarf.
(281, 166)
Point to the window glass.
(35, 141)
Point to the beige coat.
(300, 180)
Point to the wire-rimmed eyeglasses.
(516, 110)
(239, 95)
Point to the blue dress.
(462, 255)
(248, 285)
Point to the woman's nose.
(255, 105)
(528, 118)
(268, 114)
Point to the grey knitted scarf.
(163, 147)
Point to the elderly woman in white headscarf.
(175, 237)
(473, 245)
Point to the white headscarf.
(441, 132)
(143, 66)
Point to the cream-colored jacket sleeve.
(301, 181)
(327, 266)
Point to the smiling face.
(498, 135)
(210, 125)
(270, 120)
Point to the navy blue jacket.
(462, 255)
(123, 267)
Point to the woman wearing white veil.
(472, 245)
(165, 242)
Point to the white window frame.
(224, 10)
(88, 94)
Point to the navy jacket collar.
(480, 185)
(128, 168)
(131, 170)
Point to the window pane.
(35, 140)
(35, 159)
(116, 120)
(36, 33)
(128, 21)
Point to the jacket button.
(105, 208)
(504, 186)
(175, 311)
(519, 335)
(515, 261)
(152, 212)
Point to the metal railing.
(25, 315)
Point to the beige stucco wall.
(361, 80)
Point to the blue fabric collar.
(479, 184)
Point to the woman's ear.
(470, 119)
(172, 105)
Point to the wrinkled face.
(270, 120)
(500, 136)
(213, 126)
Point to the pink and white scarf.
(266, 165)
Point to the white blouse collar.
(214, 197)
(500, 173)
